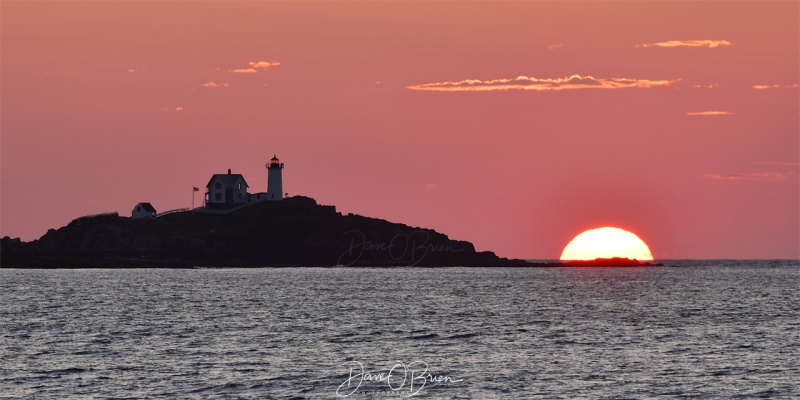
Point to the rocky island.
(293, 232)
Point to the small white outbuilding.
(143, 211)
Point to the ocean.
(699, 329)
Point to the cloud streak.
(255, 66)
(688, 43)
(263, 64)
(765, 87)
(215, 85)
(54, 73)
(536, 84)
(709, 86)
(765, 176)
(708, 113)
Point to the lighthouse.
(274, 179)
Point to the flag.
(195, 189)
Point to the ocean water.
(710, 329)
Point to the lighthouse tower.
(274, 179)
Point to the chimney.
(229, 171)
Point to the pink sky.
(515, 126)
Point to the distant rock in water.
(610, 262)
(293, 232)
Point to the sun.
(606, 242)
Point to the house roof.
(227, 180)
(147, 207)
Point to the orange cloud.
(263, 64)
(530, 83)
(254, 67)
(765, 87)
(709, 113)
(431, 186)
(555, 46)
(710, 86)
(767, 176)
(215, 85)
(688, 43)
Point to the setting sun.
(606, 242)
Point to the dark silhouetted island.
(294, 232)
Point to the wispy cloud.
(431, 186)
(709, 113)
(765, 87)
(710, 86)
(215, 85)
(688, 43)
(766, 176)
(263, 64)
(255, 66)
(537, 84)
(555, 46)
(54, 73)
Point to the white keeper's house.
(226, 191)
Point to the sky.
(512, 125)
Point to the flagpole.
(194, 189)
